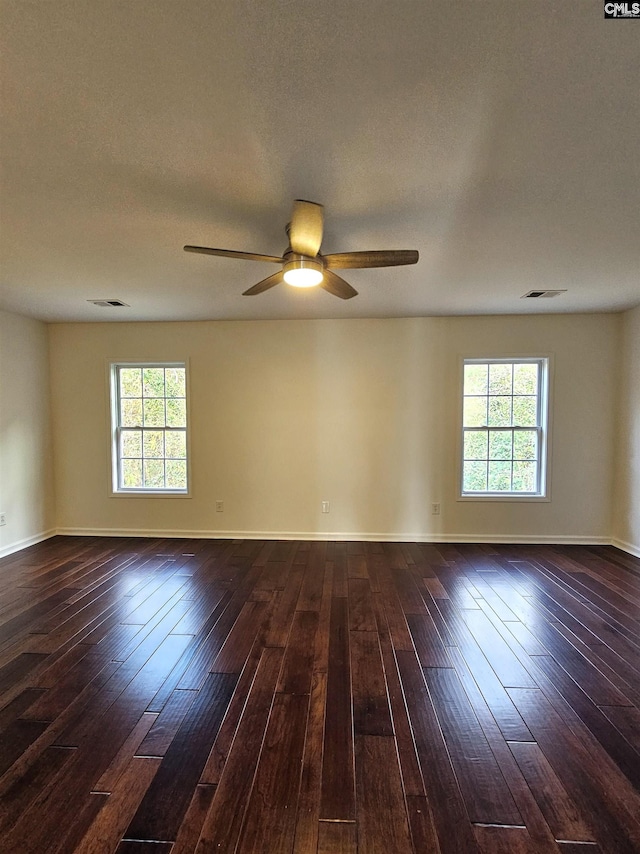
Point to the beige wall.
(26, 471)
(626, 523)
(362, 413)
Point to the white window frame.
(114, 387)
(543, 428)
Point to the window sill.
(142, 493)
(512, 496)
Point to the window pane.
(131, 443)
(474, 477)
(500, 411)
(475, 411)
(500, 396)
(176, 412)
(525, 444)
(499, 477)
(475, 379)
(130, 382)
(153, 382)
(475, 445)
(525, 411)
(525, 379)
(500, 379)
(154, 413)
(150, 456)
(500, 443)
(175, 445)
(153, 443)
(175, 380)
(131, 473)
(176, 474)
(131, 413)
(524, 476)
(154, 473)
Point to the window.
(149, 415)
(504, 427)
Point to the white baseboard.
(351, 536)
(26, 542)
(323, 536)
(626, 547)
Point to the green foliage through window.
(150, 422)
(502, 415)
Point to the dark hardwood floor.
(175, 696)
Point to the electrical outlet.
(325, 506)
(3, 518)
(435, 508)
(219, 506)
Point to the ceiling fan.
(302, 264)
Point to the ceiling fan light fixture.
(303, 272)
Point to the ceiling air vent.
(542, 294)
(108, 303)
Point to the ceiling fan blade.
(305, 228)
(384, 258)
(264, 285)
(337, 286)
(230, 253)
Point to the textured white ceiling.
(499, 138)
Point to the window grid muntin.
(538, 427)
(142, 429)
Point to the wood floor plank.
(160, 814)
(235, 650)
(16, 670)
(226, 734)
(508, 669)
(506, 840)
(166, 724)
(19, 705)
(494, 693)
(428, 643)
(617, 829)
(579, 847)
(337, 838)
(615, 744)
(449, 814)
(122, 760)
(371, 712)
(270, 818)
(486, 794)
(297, 667)
(338, 783)
(381, 813)
(105, 832)
(311, 589)
(560, 811)
(411, 775)
(19, 796)
(423, 831)
(520, 791)
(408, 592)
(626, 719)
(223, 823)
(191, 826)
(70, 834)
(16, 739)
(361, 616)
(308, 815)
